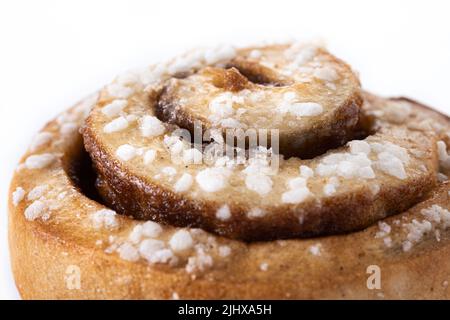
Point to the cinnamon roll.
(254, 173)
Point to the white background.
(53, 53)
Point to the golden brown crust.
(340, 274)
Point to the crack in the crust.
(257, 74)
(82, 173)
(250, 72)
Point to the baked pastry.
(138, 208)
